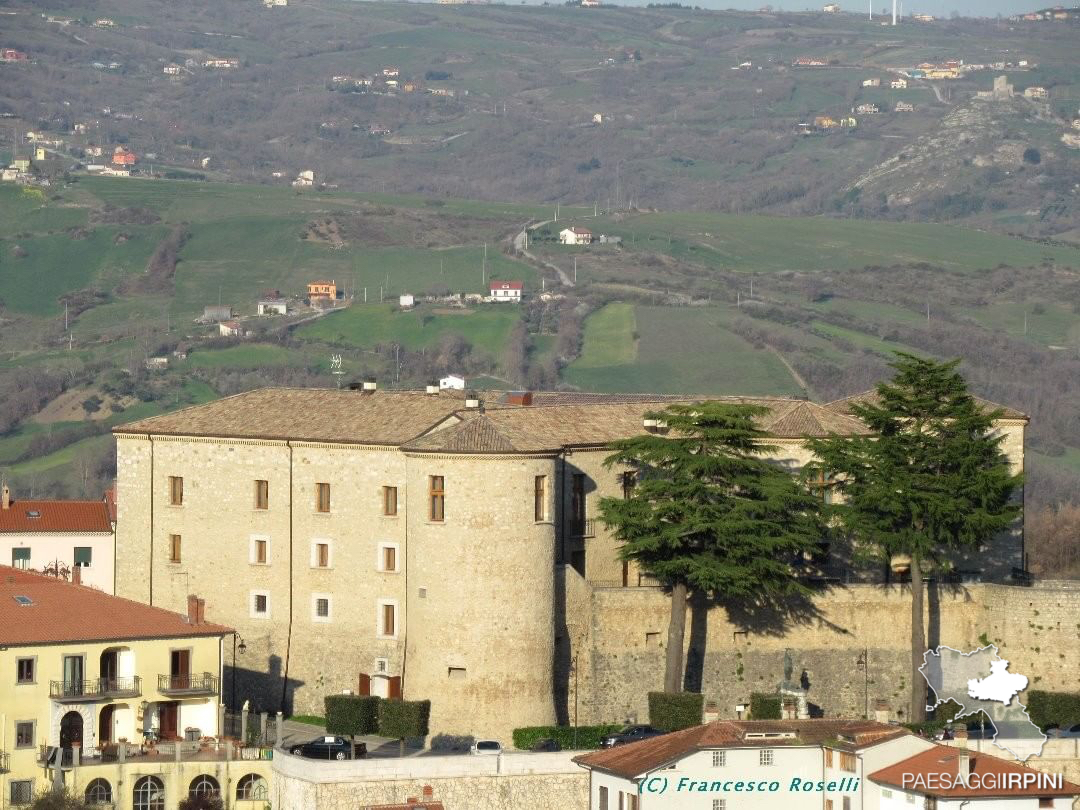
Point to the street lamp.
(242, 648)
(863, 665)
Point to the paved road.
(295, 733)
(519, 245)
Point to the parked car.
(328, 747)
(485, 748)
(628, 735)
(546, 744)
(1071, 732)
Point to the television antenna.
(335, 367)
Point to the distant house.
(590, 3)
(406, 301)
(216, 312)
(506, 291)
(871, 83)
(831, 8)
(378, 129)
(104, 22)
(575, 235)
(452, 382)
(123, 156)
(904, 106)
(898, 84)
(867, 109)
(109, 171)
(272, 306)
(230, 329)
(9, 175)
(12, 55)
(1036, 92)
(390, 72)
(809, 61)
(322, 290)
(610, 240)
(93, 151)
(825, 122)
(171, 70)
(304, 179)
(221, 63)
(157, 363)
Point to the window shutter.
(365, 685)
(394, 692)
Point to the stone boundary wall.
(542, 781)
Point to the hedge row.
(1046, 709)
(588, 737)
(764, 706)
(352, 715)
(674, 711)
(404, 718)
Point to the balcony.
(97, 689)
(583, 528)
(194, 684)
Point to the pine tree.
(708, 514)
(929, 479)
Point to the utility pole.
(66, 316)
(927, 311)
(751, 286)
(575, 269)
(1025, 321)
(365, 295)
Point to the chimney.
(965, 764)
(202, 612)
(432, 387)
(429, 793)
(522, 398)
(472, 400)
(369, 385)
(192, 609)
(5, 498)
(76, 575)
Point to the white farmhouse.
(406, 301)
(273, 306)
(506, 291)
(452, 382)
(575, 235)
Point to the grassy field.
(752, 243)
(363, 326)
(679, 350)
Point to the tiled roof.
(942, 759)
(60, 611)
(418, 420)
(844, 405)
(634, 759)
(55, 516)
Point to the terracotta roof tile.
(844, 405)
(943, 759)
(632, 760)
(25, 517)
(60, 611)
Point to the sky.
(939, 8)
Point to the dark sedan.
(328, 748)
(628, 735)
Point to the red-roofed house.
(506, 291)
(793, 764)
(575, 235)
(952, 778)
(74, 534)
(85, 671)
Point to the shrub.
(672, 711)
(764, 706)
(588, 737)
(1048, 709)
(350, 715)
(404, 718)
(1032, 156)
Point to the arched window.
(204, 785)
(148, 794)
(99, 791)
(252, 786)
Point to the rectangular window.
(455, 673)
(24, 734)
(629, 481)
(387, 619)
(719, 804)
(389, 501)
(577, 505)
(174, 548)
(631, 802)
(322, 497)
(603, 798)
(847, 761)
(388, 560)
(540, 498)
(260, 604)
(886, 793)
(20, 558)
(83, 556)
(321, 607)
(24, 669)
(719, 759)
(828, 804)
(22, 791)
(847, 803)
(437, 492)
(259, 549)
(262, 494)
(1046, 802)
(322, 555)
(765, 756)
(828, 757)
(909, 798)
(176, 490)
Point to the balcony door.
(168, 720)
(73, 675)
(180, 669)
(109, 669)
(71, 730)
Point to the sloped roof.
(942, 759)
(60, 612)
(866, 397)
(634, 759)
(26, 516)
(474, 434)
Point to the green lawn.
(360, 326)
(679, 350)
(245, 355)
(1053, 325)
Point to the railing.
(203, 683)
(96, 689)
(202, 750)
(583, 528)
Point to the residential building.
(76, 536)
(452, 382)
(230, 329)
(318, 501)
(272, 306)
(923, 18)
(904, 106)
(156, 363)
(809, 61)
(1039, 93)
(304, 179)
(221, 63)
(390, 72)
(216, 312)
(406, 301)
(122, 156)
(898, 84)
(171, 70)
(948, 778)
(825, 122)
(771, 755)
(575, 235)
(506, 291)
(590, 3)
(12, 55)
(831, 8)
(871, 83)
(326, 290)
(867, 109)
(104, 22)
(93, 685)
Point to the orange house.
(322, 289)
(123, 157)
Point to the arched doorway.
(105, 724)
(71, 730)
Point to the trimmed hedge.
(1047, 709)
(352, 715)
(674, 711)
(588, 737)
(764, 706)
(402, 719)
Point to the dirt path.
(791, 369)
(519, 245)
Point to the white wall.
(46, 548)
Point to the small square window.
(20, 558)
(455, 673)
(83, 556)
(24, 734)
(260, 605)
(765, 756)
(719, 759)
(21, 791)
(719, 804)
(321, 607)
(25, 670)
(320, 556)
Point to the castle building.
(415, 543)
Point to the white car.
(485, 748)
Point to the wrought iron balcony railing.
(95, 689)
(198, 683)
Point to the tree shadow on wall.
(267, 689)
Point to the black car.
(628, 735)
(328, 748)
(546, 744)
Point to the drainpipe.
(151, 440)
(288, 642)
(405, 556)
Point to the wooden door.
(168, 716)
(394, 693)
(180, 668)
(365, 685)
